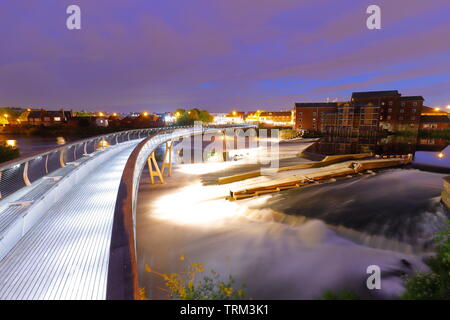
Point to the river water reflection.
(29, 145)
(428, 153)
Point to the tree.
(187, 118)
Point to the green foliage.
(434, 285)
(8, 153)
(185, 286)
(340, 295)
(289, 134)
(83, 114)
(212, 288)
(188, 117)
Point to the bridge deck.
(65, 255)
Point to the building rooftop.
(375, 94)
(276, 113)
(412, 98)
(435, 119)
(47, 113)
(316, 105)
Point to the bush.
(341, 295)
(8, 153)
(434, 285)
(289, 134)
(183, 286)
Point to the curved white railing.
(122, 272)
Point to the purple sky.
(158, 55)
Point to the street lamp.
(145, 114)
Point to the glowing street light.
(101, 114)
(437, 109)
(441, 155)
(11, 143)
(145, 114)
(115, 114)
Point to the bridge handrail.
(122, 283)
(16, 174)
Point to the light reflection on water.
(29, 145)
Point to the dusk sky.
(220, 55)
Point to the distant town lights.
(437, 109)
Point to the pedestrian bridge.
(67, 217)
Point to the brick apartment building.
(367, 111)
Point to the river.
(28, 144)
(328, 237)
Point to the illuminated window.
(57, 118)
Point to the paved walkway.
(65, 255)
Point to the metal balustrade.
(22, 172)
(75, 221)
(122, 281)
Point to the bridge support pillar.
(151, 161)
(167, 162)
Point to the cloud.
(159, 55)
